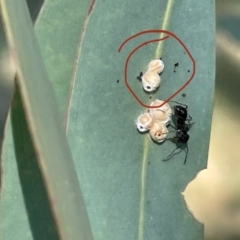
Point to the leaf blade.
(59, 31)
(46, 128)
(102, 113)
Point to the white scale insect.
(155, 120)
(151, 78)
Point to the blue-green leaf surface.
(130, 193)
(24, 186)
(59, 30)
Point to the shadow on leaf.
(36, 200)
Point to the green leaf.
(34, 8)
(24, 198)
(51, 147)
(7, 73)
(129, 192)
(59, 30)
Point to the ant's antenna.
(184, 105)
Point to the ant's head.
(180, 112)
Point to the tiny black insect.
(140, 76)
(182, 126)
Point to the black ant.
(183, 124)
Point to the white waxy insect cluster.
(151, 78)
(155, 120)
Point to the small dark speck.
(174, 71)
(148, 162)
(160, 58)
(184, 94)
(140, 76)
(188, 70)
(184, 52)
(150, 97)
(117, 81)
(176, 64)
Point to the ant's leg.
(189, 117)
(189, 124)
(170, 125)
(172, 154)
(186, 154)
(173, 138)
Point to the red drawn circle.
(145, 43)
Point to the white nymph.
(144, 122)
(150, 81)
(151, 78)
(156, 65)
(158, 132)
(162, 114)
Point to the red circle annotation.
(151, 41)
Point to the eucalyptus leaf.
(129, 192)
(7, 73)
(34, 8)
(24, 198)
(50, 146)
(59, 30)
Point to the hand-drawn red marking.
(91, 6)
(145, 43)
